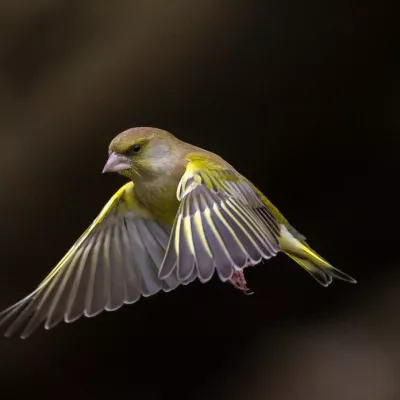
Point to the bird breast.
(159, 197)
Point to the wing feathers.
(116, 295)
(96, 297)
(220, 255)
(242, 233)
(231, 240)
(221, 225)
(186, 260)
(204, 256)
(143, 262)
(76, 300)
(260, 235)
(61, 293)
(115, 261)
(132, 279)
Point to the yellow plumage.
(293, 244)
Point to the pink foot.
(239, 282)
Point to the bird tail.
(320, 269)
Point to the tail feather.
(322, 273)
(321, 270)
(317, 273)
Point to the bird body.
(185, 213)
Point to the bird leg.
(239, 282)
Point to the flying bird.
(184, 214)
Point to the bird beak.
(116, 163)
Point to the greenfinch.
(184, 214)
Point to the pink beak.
(116, 163)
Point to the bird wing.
(280, 218)
(115, 261)
(222, 224)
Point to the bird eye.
(135, 148)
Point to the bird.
(184, 214)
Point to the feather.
(115, 261)
(222, 224)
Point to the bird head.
(142, 152)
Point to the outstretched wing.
(222, 224)
(115, 261)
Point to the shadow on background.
(301, 97)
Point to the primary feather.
(114, 262)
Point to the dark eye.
(135, 148)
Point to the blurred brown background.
(302, 97)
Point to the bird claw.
(238, 281)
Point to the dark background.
(302, 97)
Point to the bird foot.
(239, 282)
